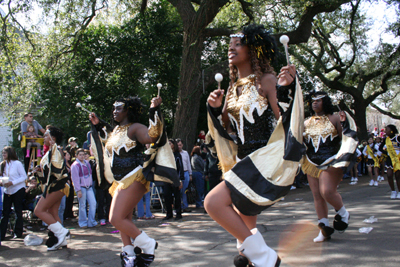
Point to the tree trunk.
(190, 91)
(360, 117)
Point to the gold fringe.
(308, 168)
(125, 183)
(65, 190)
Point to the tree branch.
(383, 85)
(246, 7)
(397, 117)
(143, 6)
(212, 32)
(303, 31)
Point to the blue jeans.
(140, 209)
(61, 209)
(198, 180)
(184, 187)
(87, 220)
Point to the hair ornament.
(257, 38)
(239, 35)
(119, 104)
(317, 97)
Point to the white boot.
(128, 256)
(257, 251)
(145, 243)
(60, 232)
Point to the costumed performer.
(121, 163)
(331, 143)
(56, 186)
(372, 152)
(258, 149)
(391, 146)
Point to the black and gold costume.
(269, 150)
(251, 117)
(121, 159)
(55, 172)
(324, 147)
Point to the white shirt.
(15, 171)
(186, 162)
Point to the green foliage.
(115, 61)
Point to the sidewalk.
(289, 227)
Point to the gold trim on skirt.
(128, 181)
(308, 168)
(65, 190)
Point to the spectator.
(103, 197)
(31, 192)
(140, 207)
(29, 142)
(45, 147)
(81, 174)
(86, 144)
(69, 201)
(170, 189)
(211, 171)
(14, 191)
(187, 173)
(29, 120)
(198, 175)
(375, 131)
(202, 135)
(72, 147)
(382, 133)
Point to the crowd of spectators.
(198, 171)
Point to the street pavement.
(289, 227)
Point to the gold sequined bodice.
(241, 107)
(318, 129)
(119, 139)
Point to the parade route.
(289, 227)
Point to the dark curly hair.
(134, 106)
(327, 105)
(262, 49)
(56, 133)
(393, 128)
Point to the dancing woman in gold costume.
(122, 161)
(251, 139)
(324, 164)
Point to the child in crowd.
(29, 142)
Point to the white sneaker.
(355, 179)
(371, 183)
(398, 195)
(353, 183)
(376, 183)
(393, 195)
(382, 178)
(293, 188)
(352, 179)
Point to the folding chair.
(155, 195)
